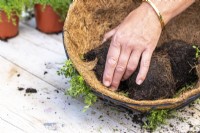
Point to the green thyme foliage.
(197, 56)
(159, 117)
(78, 87)
(184, 88)
(197, 101)
(123, 93)
(156, 118)
(59, 6)
(13, 7)
(197, 51)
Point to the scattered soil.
(45, 72)
(20, 88)
(172, 67)
(31, 90)
(57, 91)
(5, 40)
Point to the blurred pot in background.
(10, 12)
(8, 26)
(50, 15)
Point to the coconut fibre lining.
(172, 67)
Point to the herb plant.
(156, 118)
(78, 87)
(13, 7)
(197, 101)
(197, 51)
(59, 6)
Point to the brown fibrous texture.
(172, 67)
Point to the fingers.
(108, 35)
(121, 67)
(144, 66)
(111, 62)
(132, 64)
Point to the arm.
(136, 37)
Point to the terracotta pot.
(47, 20)
(7, 28)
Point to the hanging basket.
(89, 20)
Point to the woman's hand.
(135, 39)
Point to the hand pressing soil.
(172, 66)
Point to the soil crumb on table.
(45, 72)
(20, 88)
(57, 91)
(31, 90)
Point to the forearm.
(171, 8)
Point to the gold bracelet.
(157, 12)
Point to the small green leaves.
(184, 88)
(197, 51)
(68, 70)
(123, 93)
(197, 101)
(78, 87)
(90, 99)
(60, 6)
(13, 7)
(156, 118)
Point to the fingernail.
(107, 83)
(139, 82)
(113, 88)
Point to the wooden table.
(31, 60)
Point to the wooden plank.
(15, 51)
(186, 120)
(34, 59)
(47, 110)
(6, 127)
(41, 40)
(18, 120)
(32, 24)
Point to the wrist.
(156, 11)
(169, 9)
(151, 13)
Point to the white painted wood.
(35, 59)
(32, 24)
(6, 127)
(49, 111)
(41, 40)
